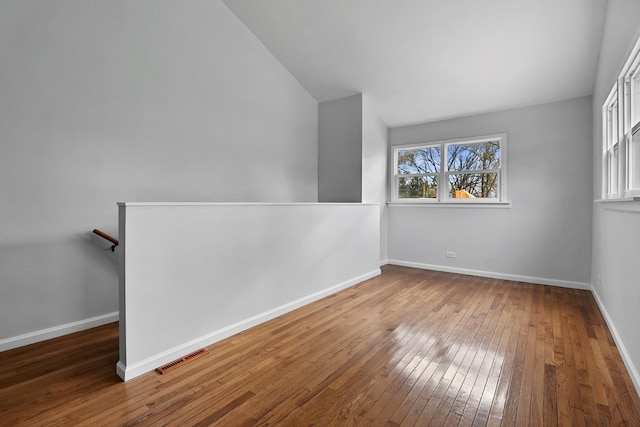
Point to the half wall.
(192, 274)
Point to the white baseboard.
(57, 331)
(494, 275)
(127, 372)
(633, 371)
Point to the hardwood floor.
(410, 347)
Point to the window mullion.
(444, 177)
(626, 102)
(474, 171)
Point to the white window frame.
(442, 176)
(621, 137)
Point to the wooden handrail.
(108, 237)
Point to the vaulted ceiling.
(425, 60)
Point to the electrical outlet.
(451, 254)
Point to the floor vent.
(184, 359)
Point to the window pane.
(476, 156)
(635, 97)
(419, 160)
(612, 123)
(418, 187)
(613, 170)
(634, 161)
(472, 185)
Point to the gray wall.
(352, 156)
(616, 233)
(545, 236)
(129, 101)
(340, 150)
(375, 137)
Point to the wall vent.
(183, 360)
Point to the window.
(462, 171)
(632, 124)
(610, 126)
(621, 133)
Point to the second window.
(465, 170)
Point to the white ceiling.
(425, 60)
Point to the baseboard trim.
(494, 275)
(633, 372)
(127, 372)
(57, 331)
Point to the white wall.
(188, 280)
(340, 150)
(545, 237)
(616, 233)
(104, 101)
(375, 137)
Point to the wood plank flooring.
(411, 347)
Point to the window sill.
(465, 205)
(627, 204)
